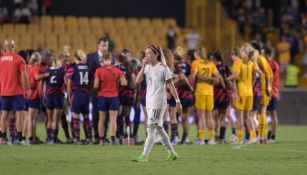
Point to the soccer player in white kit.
(158, 76)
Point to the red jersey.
(108, 76)
(275, 84)
(34, 91)
(11, 68)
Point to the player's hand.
(179, 108)
(145, 61)
(236, 97)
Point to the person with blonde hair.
(243, 70)
(78, 89)
(54, 84)
(35, 93)
(206, 75)
(266, 78)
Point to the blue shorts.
(143, 101)
(126, 101)
(15, 103)
(26, 104)
(273, 104)
(55, 101)
(34, 104)
(171, 102)
(221, 105)
(185, 102)
(107, 103)
(80, 102)
(257, 103)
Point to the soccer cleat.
(253, 141)
(233, 138)
(174, 140)
(172, 156)
(271, 141)
(211, 142)
(140, 159)
(199, 142)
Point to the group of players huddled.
(31, 83)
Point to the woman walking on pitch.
(158, 76)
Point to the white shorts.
(155, 116)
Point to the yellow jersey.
(205, 68)
(245, 78)
(266, 71)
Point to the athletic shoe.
(68, 141)
(103, 142)
(174, 140)
(233, 138)
(77, 141)
(184, 141)
(221, 141)
(271, 141)
(172, 156)
(140, 159)
(199, 142)
(254, 141)
(211, 142)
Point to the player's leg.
(49, 125)
(209, 118)
(240, 121)
(200, 113)
(174, 122)
(55, 124)
(232, 124)
(185, 122)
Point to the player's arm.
(219, 79)
(186, 80)
(123, 80)
(140, 76)
(171, 86)
(96, 83)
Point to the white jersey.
(156, 77)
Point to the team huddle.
(162, 82)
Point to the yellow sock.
(260, 125)
(201, 134)
(211, 134)
(239, 135)
(265, 127)
(252, 134)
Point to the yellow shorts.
(204, 102)
(265, 100)
(244, 104)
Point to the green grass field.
(288, 156)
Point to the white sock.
(165, 140)
(151, 134)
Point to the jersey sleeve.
(195, 66)
(214, 69)
(167, 75)
(236, 66)
(70, 72)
